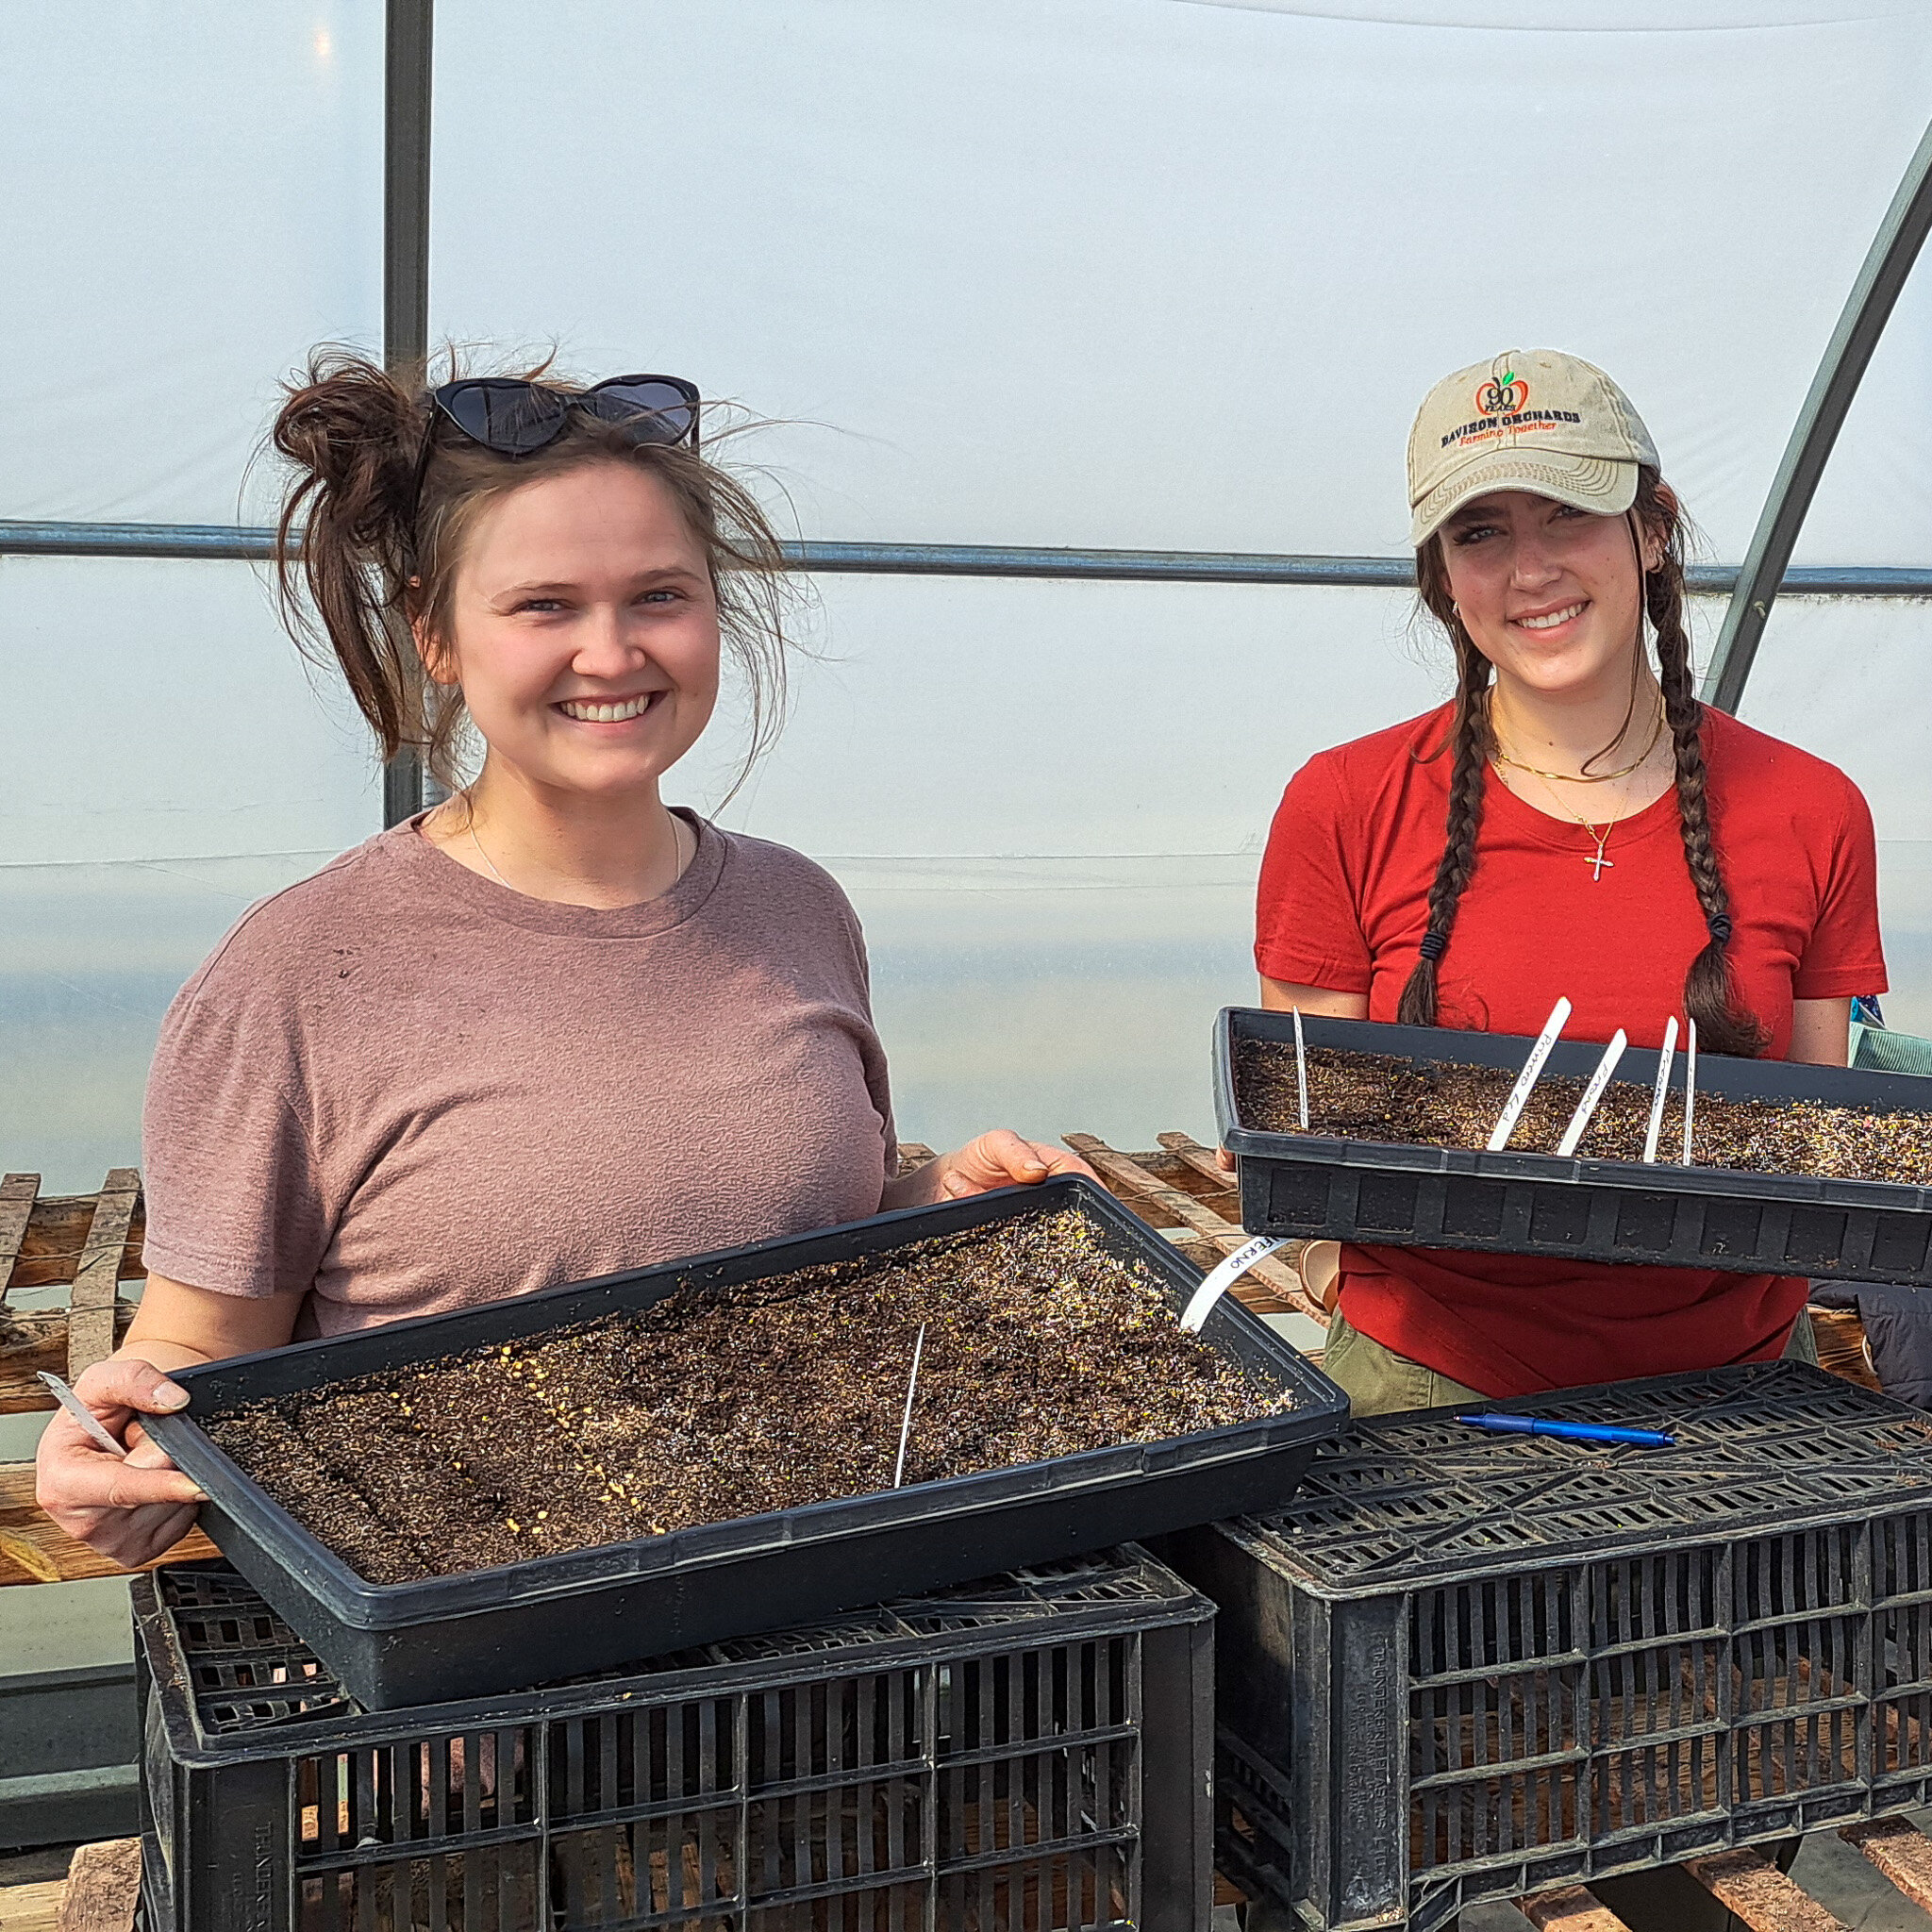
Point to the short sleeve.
(233, 1191)
(879, 1083)
(1307, 930)
(1843, 955)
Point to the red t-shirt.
(1343, 905)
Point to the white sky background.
(1118, 273)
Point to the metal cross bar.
(25, 538)
(407, 78)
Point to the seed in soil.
(1363, 1096)
(726, 1403)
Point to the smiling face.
(583, 630)
(1547, 593)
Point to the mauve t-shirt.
(405, 1088)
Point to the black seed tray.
(494, 1630)
(1461, 1667)
(1580, 1211)
(1033, 1751)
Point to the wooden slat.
(1841, 1338)
(17, 1192)
(1573, 1908)
(1127, 1175)
(31, 1908)
(30, 1342)
(90, 1306)
(103, 1887)
(1901, 1850)
(33, 1551)
(56, 1234)
(1760, 1894)
(1200, 1159)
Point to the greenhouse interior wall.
(1131, 274)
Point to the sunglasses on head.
(516, 418)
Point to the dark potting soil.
(730, 1401)
(1360, 1096)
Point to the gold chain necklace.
(676, 849)
(1503, 757)
(488, 860)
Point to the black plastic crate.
(1580, 1211)
(494, 1630)
(1026, 1754)
(1463, 1667)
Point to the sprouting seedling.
(905, 1425)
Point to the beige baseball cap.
(1531, 419)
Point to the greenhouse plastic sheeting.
(1119, 273)
(194, 196)
(1145, 273)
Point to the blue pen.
(1569, 1432)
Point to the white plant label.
(1526, 1081)
(1202, 1302)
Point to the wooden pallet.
(1761, 1895)
(99, 1893)
(86, 1244)
(1181, 1190)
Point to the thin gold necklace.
(1503, 757)
(488, 860)
(1597, 861)
(676, 850)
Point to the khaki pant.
(1377, 1381)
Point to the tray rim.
(374, 1607)
(1233, 1023)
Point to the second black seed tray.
(495, 1630)
(1665, 1215)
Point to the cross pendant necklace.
(1597, 863)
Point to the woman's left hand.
(997, 1159)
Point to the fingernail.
(172, 1395)
(197, 1495)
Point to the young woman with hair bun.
(552, 1027)
(1573, 823)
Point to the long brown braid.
(1710, 998)
(1470, 736)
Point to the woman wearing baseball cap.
(1573, 823)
